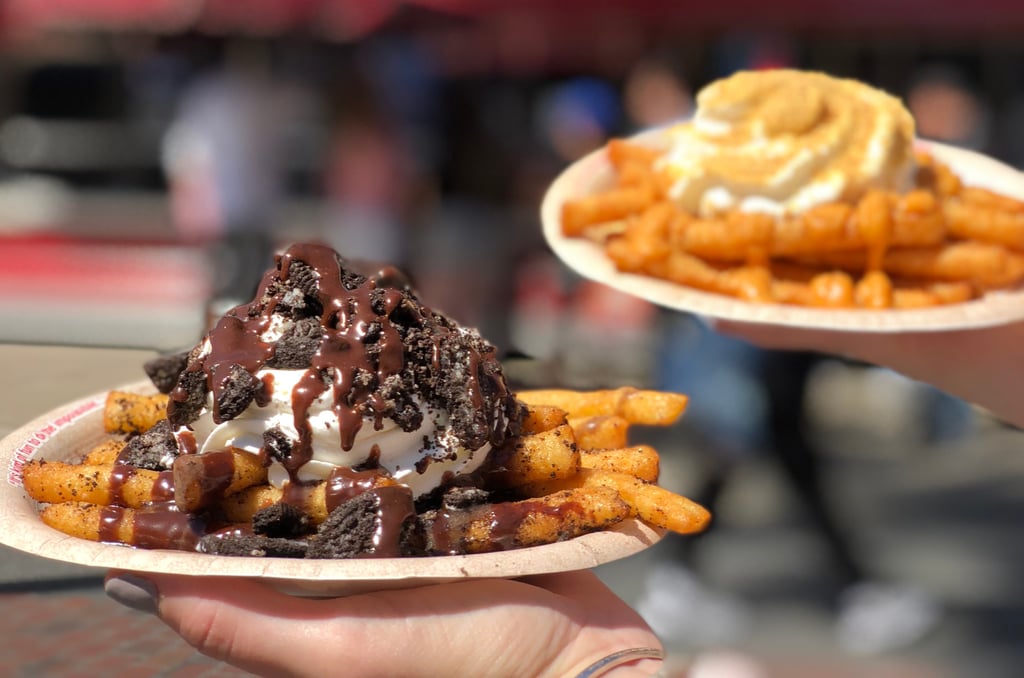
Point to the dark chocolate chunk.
(252, 545)
(236, 392)
(303, 277)
(379, 523)
(188, 398)
(295, 349)
(280, 520)
(276, 444)
(164, 370)
(458, 498)
(149, 450)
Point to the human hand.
(550, 625)
(982, 366)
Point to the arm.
(982, 366)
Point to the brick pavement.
(80, 633)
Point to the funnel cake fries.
(336, 416)
(543, 486)
(831, 208)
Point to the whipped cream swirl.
(780, 142)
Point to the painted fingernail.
(132, 591)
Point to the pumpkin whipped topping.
(780, 142)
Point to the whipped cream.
(419, 459)
(780, 142)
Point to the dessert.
(798, 188)
(336, 416)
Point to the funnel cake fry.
(638, 406)
(125, 412)
(554, 517)
(109, 484)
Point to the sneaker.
(876, 618)
(682, 610)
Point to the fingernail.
(134, 592)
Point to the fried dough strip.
(602, 431)
(133, 527)
(639, 461)
(915, 219)
(125, 412)
(982, 264)
(623, 153)
(311, 499)
(84, 520)
(932, 294)
(981, 220)
(653, 504)
(103, 454)
(241, 506)
(612, 205)
(536, 457)
(540, 520)
(540, 418)
(55, 482)
(649, 408)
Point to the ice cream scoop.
(329, 368)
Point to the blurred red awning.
(350, 18)
(260, 17)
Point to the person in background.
(221, 157)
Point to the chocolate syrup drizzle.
(361, 349)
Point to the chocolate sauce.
(166, 529)
(394, 509)
(297, 493)
(382, 274)
(344, 484)
(119, 475)
(111, 520)
(210, 482)
(187, 442)
(163, 488)
(233, 530)
(156, 528)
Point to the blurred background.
(155, 153)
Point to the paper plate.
(593, 172)
(67, 431)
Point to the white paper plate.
(593, 173)
(67, 431)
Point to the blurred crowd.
(419, 157)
